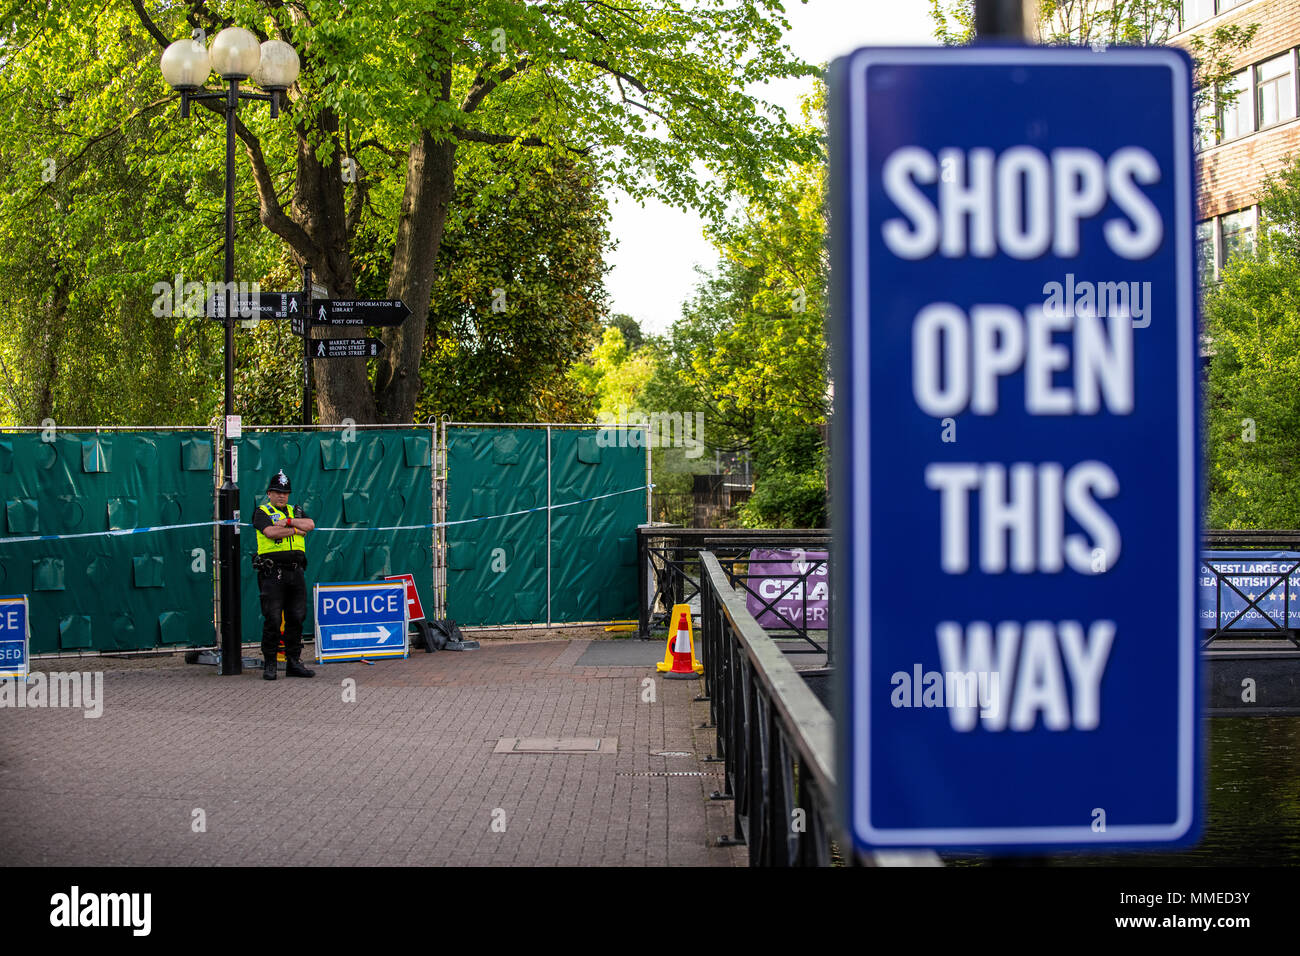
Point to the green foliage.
(615, 375)
(103, 195)
(750, 351)
(786, 499)
(954, 21)
(1115, 23)
(1253, 439)
(1279, 207)
(638, 94)
(518, 296)
(630, 328)
(1253, 323)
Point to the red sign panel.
(412, 595)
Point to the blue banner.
(1238, 578)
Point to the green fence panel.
(496, 560)
(593, 568)
(363, 483)
(106, 592)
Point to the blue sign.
(361, 620)
(13, 636)
(1253, 590)
(1016, 462)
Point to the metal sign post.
(306, 346)
(1016, 456)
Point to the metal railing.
(794, 586)
(669, 567)
(773, 735)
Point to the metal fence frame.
(440, 506)
(217, 435)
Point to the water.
(1253, 797)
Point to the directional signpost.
(381, 312)
(346, 348)
(363, 620)
(13, 636)
(1016, 462)
(262, 305)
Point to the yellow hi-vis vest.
(267, 545)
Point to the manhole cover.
(557, 745)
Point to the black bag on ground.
(444, 631)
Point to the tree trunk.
(342, 388)
(430, 182)
(51, 346)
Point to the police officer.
(281, 559)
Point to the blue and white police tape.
(118, 532)
(511, 514)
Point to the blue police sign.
(13, 636)
(1016, 459)
(362, 620)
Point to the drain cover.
(671, 753)
(557, 745)
(666, 773)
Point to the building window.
(1275, 90)
(1238, 233)
(1229, 4)
(1205, 249)
(1236, 118)
(1207, 130)
(1194, 11)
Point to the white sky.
(659, 246)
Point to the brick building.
(1242, 142)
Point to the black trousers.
(283, 589)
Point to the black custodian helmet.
(279, 482)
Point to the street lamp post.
(235, 55)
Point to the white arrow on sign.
(383, 634)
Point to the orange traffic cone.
(679, 661)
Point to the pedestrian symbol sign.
(362, 620)
(13, 636)
(1016, 455)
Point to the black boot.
(268, 667)
(295, 668)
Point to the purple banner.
(794, 582)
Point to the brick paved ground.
(288, 773)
